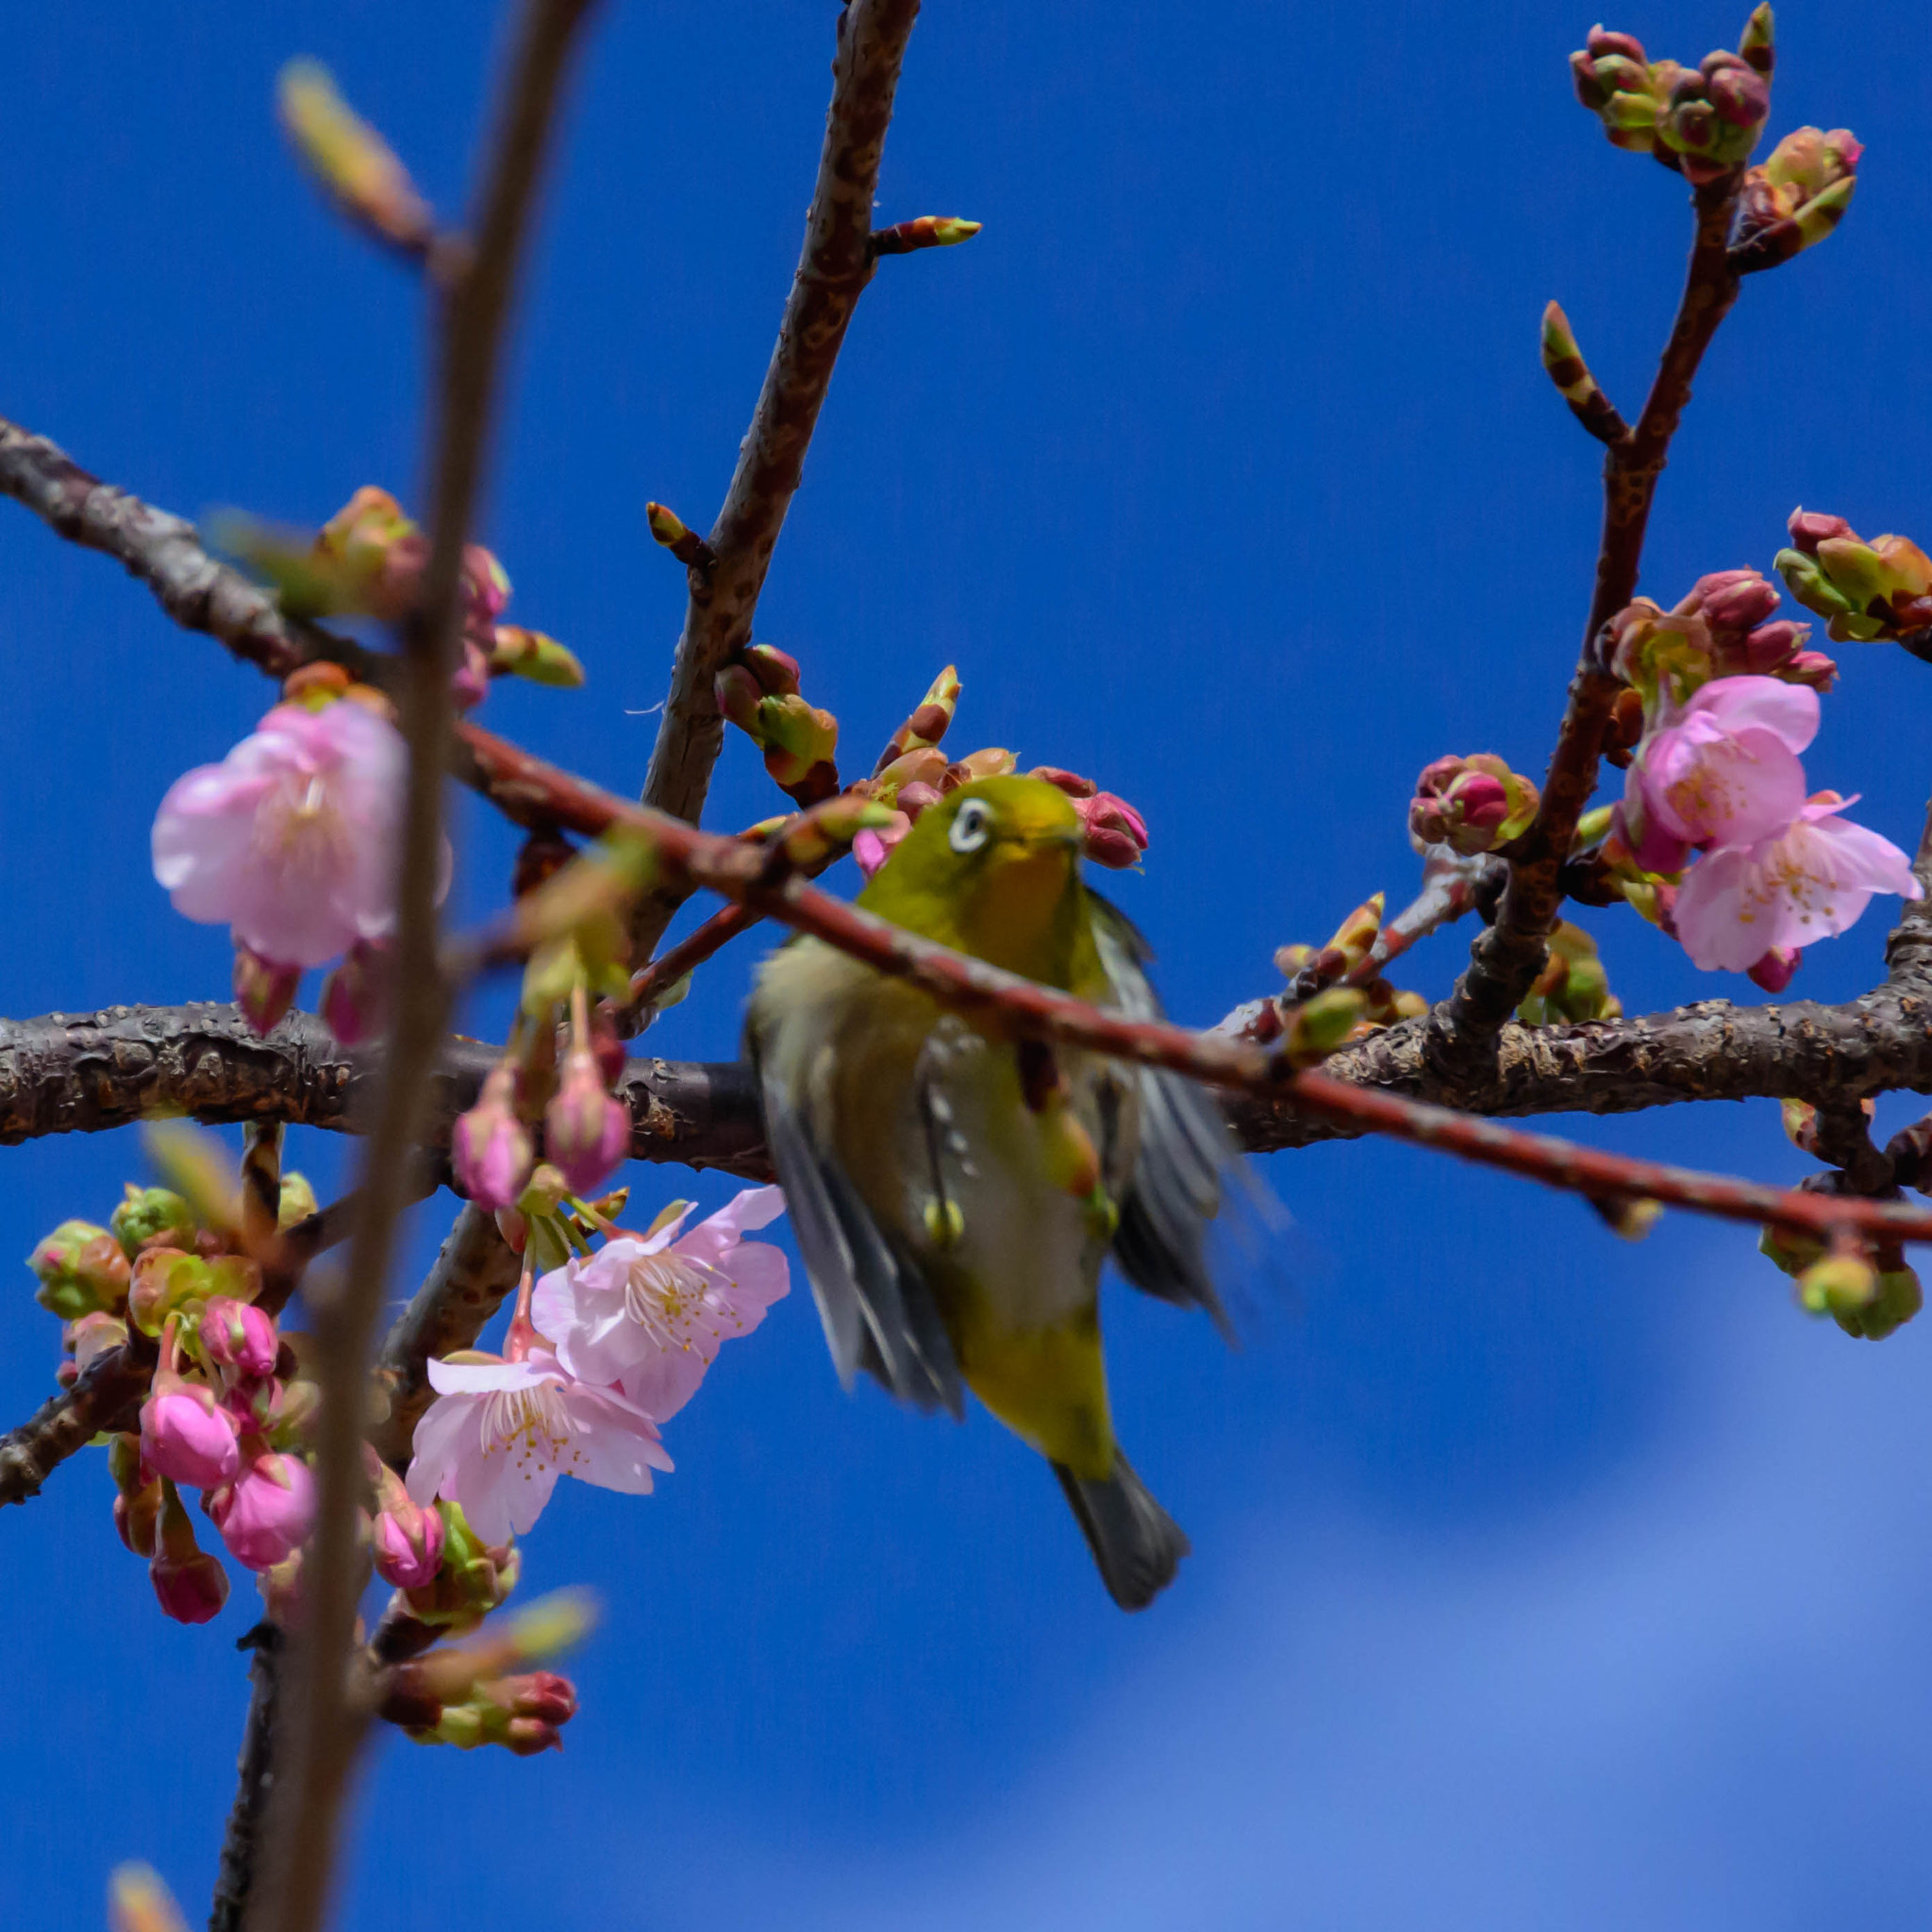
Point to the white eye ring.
(971, 827)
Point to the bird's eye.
(971, 826)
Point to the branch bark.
(832, 273)
(235, 1880)
(103, 1398)
(1508, 955)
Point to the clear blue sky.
(1539, 1580)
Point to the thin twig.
(833, 269)
(252, 1780)
(319, 1744)
(1508, 955)
(103, 1398)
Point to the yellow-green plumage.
(955, 1193)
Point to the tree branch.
(317, 1752)
(254, 1780)
(1508, 955)
(103, 1398)
(475, 1270)
(166, 552)
(833, 271)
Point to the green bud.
(166, 1282)
(298, 1202)
(1839, 1283)
(150, 1211)
(1897, 1299)
(1317, 1026)
(81, 1269)
(1789, 1250)
(529, 654)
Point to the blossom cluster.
(228, 1412)
(602, 1351)
(1719, 836)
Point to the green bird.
(955, 1190)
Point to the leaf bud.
(147, 1214)
(516, 652)
(350, 159)
(1313, 1029)
(81, 1268)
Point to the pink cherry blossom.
(1721, 769)
(407, 1545)
(1810, 880)
(500, 1434)
(289, 841)
(651, 1314)
(266, 1512)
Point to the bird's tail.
(1137, 1545)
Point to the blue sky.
(1538, 1579)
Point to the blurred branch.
(1508, 955)
(833, 269)
(315, 1755)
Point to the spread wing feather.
(879, 1313)
(1186, 1153)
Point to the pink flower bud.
(356, 996)
(490, 1148)
(263, 989)
(1070, 782)
(266, 1512)
(586, 1132)
(240, 1337)
(1116, 833)
(1772, 646)
(1813, 668)
(190, 1584)
(1738, 604)
(1809, 528)
(407, 1542)
(1777, 969)
(184, 1435)
(914, 798)
(469, 684)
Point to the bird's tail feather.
(1137, 1545)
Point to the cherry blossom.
(500, 1434)
(266, 1512)
(650, 1312)
(1810, 880)
(1722, 769)
(290, 839)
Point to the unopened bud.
(1839, 1283)
(529, 654)
(1116, 833)
(192, 1585)
(1776, 969)
(586, 1130)
(1315, 1027)
(240, 1337)
(356, 996)
(80, 1268)
(350, 159)
(490, 1148)
(264, 989)
(927, 231)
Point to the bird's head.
(991, 869)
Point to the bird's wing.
(1186, 1155)
(878, 1312)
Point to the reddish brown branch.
(832, 274)
(1508, 955)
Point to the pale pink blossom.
(291, 839)
(500, 1434)
(651, 1314)
(267, 1512)
(1721, 769)
(1810, 880)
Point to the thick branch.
(1508, 955)
(85, 1073)
(832, 272)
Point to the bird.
(955, 1187)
